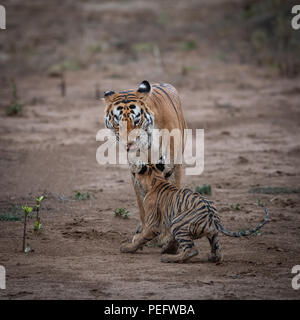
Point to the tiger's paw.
(134, 240)
(179, 258)
(128, 248)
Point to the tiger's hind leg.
(216, 253)
(186, 245)
(163, 240)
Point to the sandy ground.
(251, 122)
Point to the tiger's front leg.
(139, 198)
(147, 234)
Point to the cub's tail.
(244, 232)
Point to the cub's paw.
(179, 258)
(128, 248)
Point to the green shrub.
(14, 108)
(205, 189)
(82, 196)
(235, 206)
(188, 45)
(122, 212)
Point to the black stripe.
(125, 101)
(168, 98)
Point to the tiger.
(187, 214)
(155, 106)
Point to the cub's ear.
(143, 169)
(108, 96)
(160, 166)
(143, 90)
(137, 167)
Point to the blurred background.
(122, 39)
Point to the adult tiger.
(149, 107)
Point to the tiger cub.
(187, 214)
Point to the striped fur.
(188, 215)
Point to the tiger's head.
(126, 111)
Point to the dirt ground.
(251, 120)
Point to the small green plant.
(235, 206)
(14, 108)
(205, 189)
(185, 70)
(142, 47)
(65, 65)
(122, 212)
(82, 196)
(94, 48)
(26, 210)
(188, 45)
(37, 224)
(71, 64)
(260, 203)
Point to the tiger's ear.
(109, 96)
(143, 169)
(143, 90)
(160, 166)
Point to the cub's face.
(128, 117)
(147, 174)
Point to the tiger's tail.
(244, 232)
